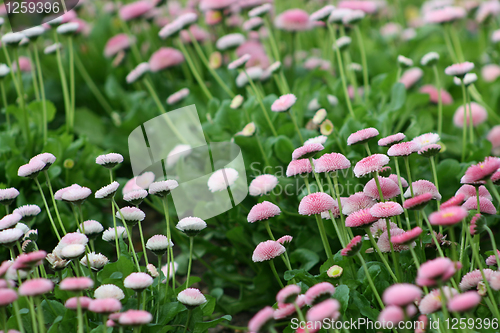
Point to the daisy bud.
(167, 270)
(135, 197)
(285, 240)
(284, 103)
(35, 287)
(459, 69)
(46, 158)
(109, 160)
(191, 226)
(76, 283)
(404, 62)
(297, 167)
(72, 303)
(267, 250)
(262, 320)
(222, 179)
(9, 237)
(335, 271)
(97, 261)
(28, 246)
(131, 215)
(138, 281)
(56, 262)
(109, 234)
(326, 127)
(75, 194)
(430, 59)
(158, 244)
(109, 291)
(403, 149)
(386, 209)
(9, 221)
(319, 292)
(236, 102)
(108, 191)
(105, 305)
(191, 298)
(162, 188)
(178, 96)
(135, 318)
(353, 247)
(152, 270)
(342, 43)
(247, 131)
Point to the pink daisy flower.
(76, 283)
(353, 247)
(482, 170)
(402, 294)
(389, 188)
(464, 302)
(433, 93)
(369, 7)
(454, 201)
(403, 149)
(472, 279)
(115, 44)
(386, 209)
(72, 303)
(105, 305)
(316, 203)
(356, 202)
(286, 310)
(391, 140)
(9, 221)
(360, 218)
(35, 287)
(406, 238)
(492, 260)
(469, 191)
(8, 195)
(394, 178)
(27, 261)
(307, 151)
(7, 296)
(262, 319)
(288, 294)
(378, 228)
(459, 69)
(418, 202)
(431, 302)
(430, 150)
(331, 162)
(370, 164)
(135, 10)
(319, 292)
(262, 184)
(164, 58)
(267, 250)
(135, 318)
(384, 244)
(31, 169)
(328, 309)
(285, 239)
(476, 112)
(335, 211)
(485, 205)
(391, 316)
(362, 136)
(284, 103)
(293, 20)
(298, 167)
(263, 211)
(411, 76)
(138, 281)
(439, 269)
(423, 186)
(448, 216)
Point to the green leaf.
(204, 326)
(52, 310)
(89, 124)
(398, 96)
(283, 148)
(301, 275)
(342, 295)
(169, 311)
(306, 257)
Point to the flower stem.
(324, 238)
(396, 163)
(79, 314)
(190, 260)
(49, 185)
(117, 244)
(408, 172)
(187, 321)
(381, 255)
(363, 62)
(493, 245)
(273, 268)
(169, 237)
(18, 317)
(42, 93)
(34, 325)
(440, 101)
(64, 83)
(129, 235)
(142, 243)
(464, 128)
(434, 238)
(71, 80)
(48, 210)
(21, 99)
(434, 174)
(4, 100)
(370, 281)
(335, 189)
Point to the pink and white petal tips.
(138, 281)
(72, 303)
(115, 44)
(7, 296)
(473, 278)
(353, 247)
(459, 69)
(109, 160)
(288, 294)
(76, 283)
(137, 73)
(403, 149)
(434, 93)
(135, 10)
(384, 244)
(368, 7)
(135, 197)
(8, 195)
(298, 167)
(262, 185)
(107, 191)
(131, 215)
(435, 270)
(218, 5)
(191, 297)
(418, 202)
(370, 164)
(430, 150)
(178, 96)
(476, 112)
(27, 261)
(391, 140)
(105, 305)
(307, 151)
(240, 62)
(285, 240)
(191, 226)
(492, 260)
(230, 41)
(267, 250)
(485, 205)
(9, 237)
(356, 202)
(423, 186)
(426, 139)
(482, 170)
(31, 169)
(406, 238)
(158, 244)
(469, 191)
(283, 103)
(9, 221)
(164, 58)
(109, 234)
(322, 14)
(362, 136)
(222, 179)
(27, 211)
(162, 188)
(35, 287)
(74, 194)
(380, 226)
(107, 291)
(431, 302)
(135, 318)
(361, 218)
(293, 20)
(331, 162)
(263, 211)
(386, 209)
(390, 189)
(261, 320)
(319, 292)
(494, 137)
(316, 203)
(464, 302)
(402, 294)
(328, 309)
(448, 216)
(391, 316)
(411, 76)
(457, 200)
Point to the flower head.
(403, 149)
(97, 261)
(263, 211)
(135, 317)
(389, 188)
(262, 184)
(191, 297)
(105, 305)
(485, 205)
(307, 151)
(138, 72)
(131, 215)
(31, 169)
(285, 239)
(109, 160)
(76, 283)
(35, 287)
(402, 294)
(284, 103)
(353, 247)
(459, 69)
(408, 237)
(9, 237)
(411, 76)
(356, 202)
(293, 20)
(138, 281)
(261, 320)
(230, 41)
(448, 216)
(335, 271)
(267, 250)
(109, 234)
(362, 136)
(328, 309)
(288, 294)
(162, 188)
(297, 167)
(433, 271)
(107, 191)
(430, 59)
(391, 140)
(72, 303)
(423, 186)
(316, 203)
(135, 197)
(109, 291)
(164, 58)
(475, 111)
(319, 292)
(418, 202)
(370, 164)
(464, 302)
(482, 170)
(386, 209)
(222, 179)
(9, 221)
(191, 226)
(331, 162)
(432, 302)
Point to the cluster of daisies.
(382, 214)
(74, 263)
